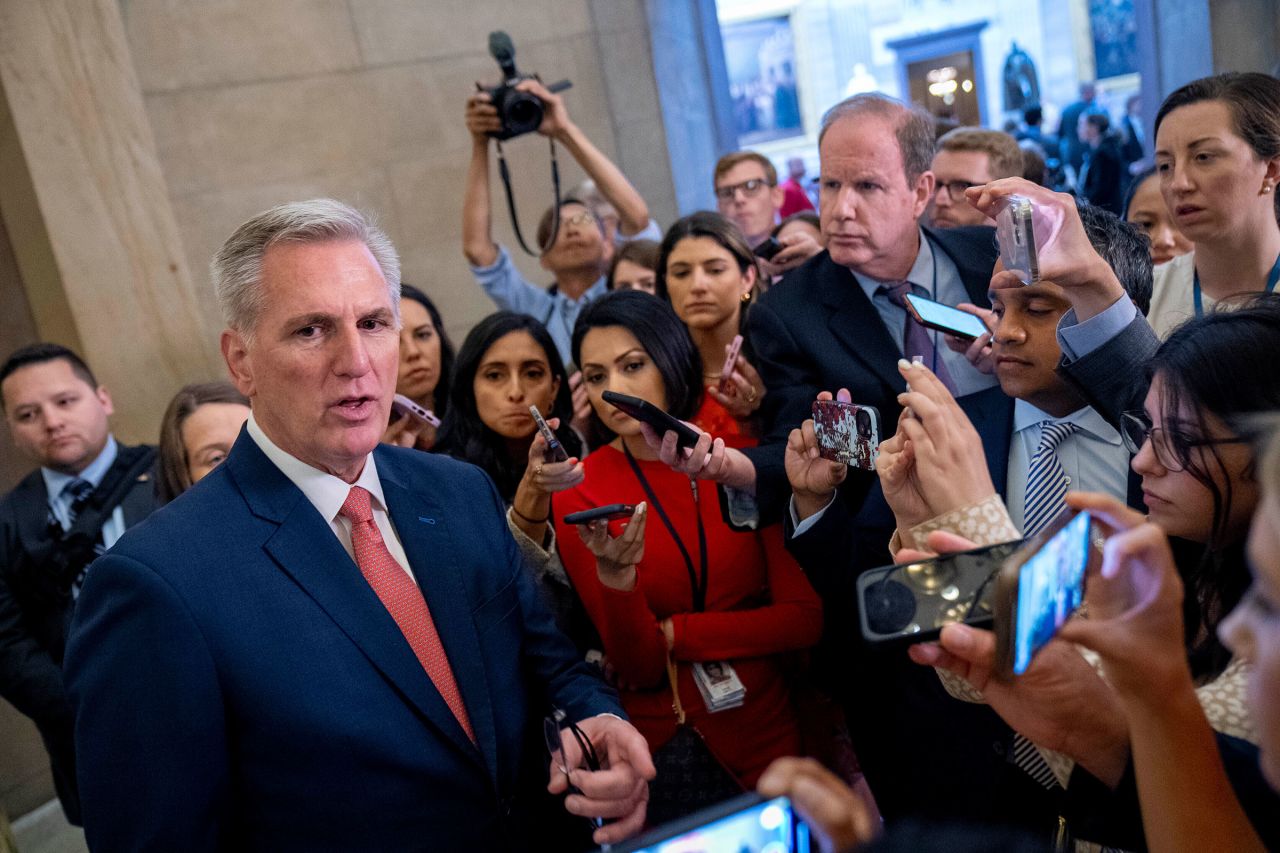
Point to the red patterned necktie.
(403, 600)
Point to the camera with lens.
(519, 112)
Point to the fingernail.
(903, 364)
(959, 637)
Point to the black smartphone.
(746, 822)
(643, 410)
(1040, 586)
(909, 603)
(609, 513)
(847, 433)
(767, 249)
(944, 318)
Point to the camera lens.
(523, 112)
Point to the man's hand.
(838, 819)
(481, 117)
(978, 350)
(813, 479)
(797, 248)
(555, 115)
(619, 791)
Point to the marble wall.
(255, 102)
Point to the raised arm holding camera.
(571, 238)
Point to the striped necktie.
(1046, 481)
(1046, 488)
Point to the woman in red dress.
(707, 272)
(649, 591)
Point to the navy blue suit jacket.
(238, 685)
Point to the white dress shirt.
(328, 493)
(1093, 457)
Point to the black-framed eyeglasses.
(955, 189)
(553, 734)
(750, 189)
(1172, 448)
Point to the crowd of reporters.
(743, 551)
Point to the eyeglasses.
(583, 219)
(750, 189)
(1172, 448)
(955, 189)
(553, 735)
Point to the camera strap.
(697, 582)
(511, 199)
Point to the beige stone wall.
(255, 102)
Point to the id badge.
(719, 685)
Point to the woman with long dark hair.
(426, 368)
(1218, 158)
(706, 270)
(508, 363)
(199, 426)
(679, 584)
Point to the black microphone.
(501, 49)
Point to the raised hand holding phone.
(740, 389)
(616, 557)
(813, 479)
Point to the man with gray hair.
(327, 643)
(839, 323)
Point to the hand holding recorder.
(549, 470)
(740, 389)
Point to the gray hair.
(237, 267)
(914, 127)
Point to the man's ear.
(104, 397)
(239, 365)
(923, 190)
(779, 195)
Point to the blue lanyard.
(1272, 279)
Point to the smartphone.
(847, 433)
(1015, 232)
(767, 249)
(643, 410)
(608, 512)
(555, 450)
(909, 603)
(746, 822)
(1040, 586)
(944, 318)
(402, 405)
(726, 371)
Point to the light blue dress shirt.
(60, 502)
(1093, 457)
(511, 291)
(934, 276)
(1079, 339)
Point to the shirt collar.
(590, 294)
(326, 492)
(56, 481)
(921, 273)
(1086, 418)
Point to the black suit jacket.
(1104, 177)
(817, 331)
(36, 605)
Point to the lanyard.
(1199, 301)
(697, 582)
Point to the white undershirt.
(328, 493)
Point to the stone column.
(85, 205)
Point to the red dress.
(759, 605)
(715, 419)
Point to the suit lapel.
(856, 324)
(974, 267)
(305, 548)
(423, 527)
